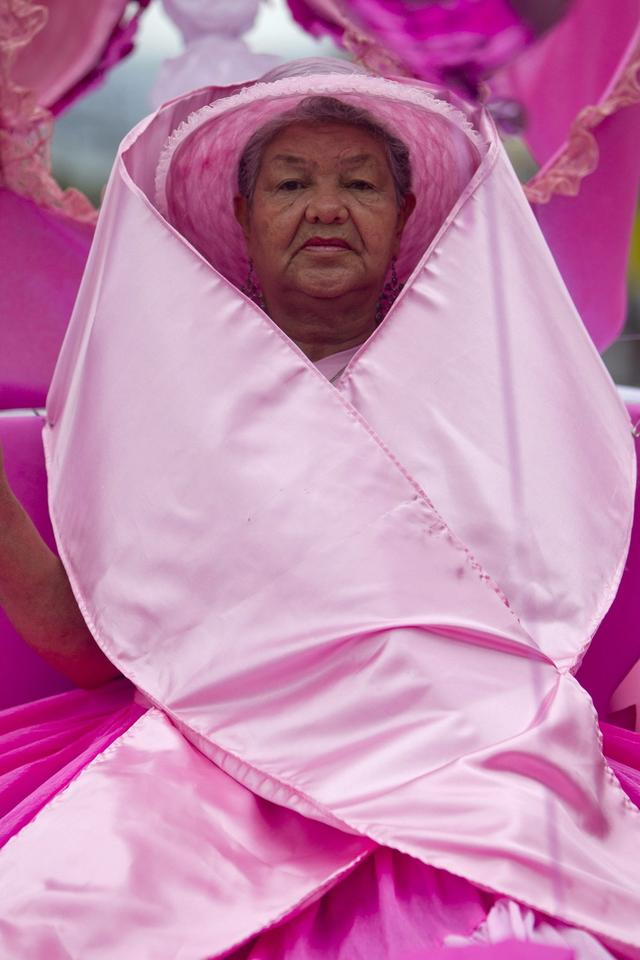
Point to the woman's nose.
(326, 206)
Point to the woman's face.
(324, 221)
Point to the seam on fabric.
(301, 904)
(369, 831)
(568, 664)
(433, 860)
(106, 754)
(480, 175)
(610, 772)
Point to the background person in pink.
(360, 601)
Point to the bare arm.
(37, 597)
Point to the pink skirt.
(391, 906)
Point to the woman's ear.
(405, 210)
(241, 212)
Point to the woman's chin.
(325, 285)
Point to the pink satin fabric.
(45, 744)
(260, 553)
(386, 907)
(151, 783)
(479, 264)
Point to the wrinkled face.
(324, 221)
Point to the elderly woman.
(350, 609)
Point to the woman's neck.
(325, 328)
(318, 351)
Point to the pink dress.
(368, 684)
(389, 906)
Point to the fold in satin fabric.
(136, 812)
(387, 907)
(45, 744)
(478, 322)
(260, 554)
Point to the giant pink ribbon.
(362, 604)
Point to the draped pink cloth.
(383, 908)
(354, 609)
(45, 744)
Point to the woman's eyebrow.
(359, 160)
(290, 159)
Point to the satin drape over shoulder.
(360, 602)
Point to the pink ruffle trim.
(26, 127)
(580, 154)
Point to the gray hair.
(324, 110)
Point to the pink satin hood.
(363, 602)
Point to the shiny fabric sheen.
(258, 552)
(490, 416)
(248, 850)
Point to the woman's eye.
(360, 185)
(290, 185)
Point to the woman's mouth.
(326, 243)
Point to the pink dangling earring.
(251, 288)
(390, 293)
